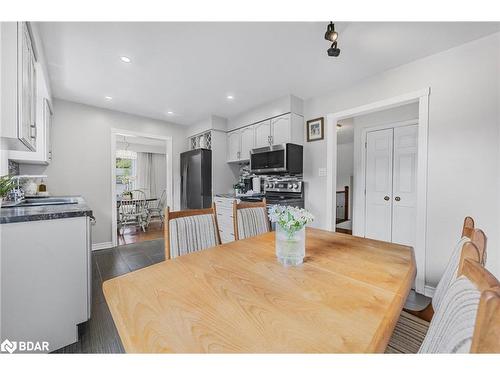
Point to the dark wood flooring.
(99, 334)
(134, 234)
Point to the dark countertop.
(258, 196)
(49, 212)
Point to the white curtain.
(151, 173)
(143, 166)
(158, 175)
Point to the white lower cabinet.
(224, 208)
(45, 288)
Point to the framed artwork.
(315, 129)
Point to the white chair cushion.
(252, 222)
(449, 275)
(192, 233)
(452, 326)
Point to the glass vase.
(290, 246)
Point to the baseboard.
(429, 291)
(102, 245)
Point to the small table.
(236, 298)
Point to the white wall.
(463, 156)
(81, 139)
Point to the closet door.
(404, 211)
(379, 160)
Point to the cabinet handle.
(397, 199)
(270, 139)
(386, 198)
(33, 131)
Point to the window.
(126, 171)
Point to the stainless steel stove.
(285, 191)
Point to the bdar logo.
(8, 346)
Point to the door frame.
(169, 179)
(422, 98)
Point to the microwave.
(278, 159)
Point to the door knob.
(386, 198)
(397, 199)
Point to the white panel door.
(262, 133)
(404, 211)
(379, 148)
(247, 142)
(233, 146)
(281, 131)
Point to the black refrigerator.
(196, 179)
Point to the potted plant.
(6, 185)
(290, 233)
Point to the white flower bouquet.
(290, 219)
(290, 233)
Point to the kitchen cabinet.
(247, 142)
(281, 130)
(43, 153)
(262, 133)
(240, 142)
(287, 128)
(46, 279)
(18, 87)
(233, 145)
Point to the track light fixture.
(331, 35)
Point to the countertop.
(49, 212)
(239, 196)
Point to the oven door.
(268, 159)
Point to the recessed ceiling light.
(108, 97)
(125, 59)
(170, 113)
(230, 97)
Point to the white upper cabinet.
(247, 142)
(233, 145)
(262, 133)
(18, 87)
(287, 128)
(43, 152)
(281, 130)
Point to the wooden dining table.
(236, 298)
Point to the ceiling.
(190, 68)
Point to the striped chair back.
(454, 325)
(250, 219)
(190, 231)
(478, 238)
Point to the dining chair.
(469, 233)
(464, 322)
(189, 231)
(159, 209)
(133, 209)
(411, 329)
(250, 219)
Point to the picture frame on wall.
(315, 129)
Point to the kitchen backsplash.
(13, 168)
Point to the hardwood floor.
(99, 334)
(135, 234)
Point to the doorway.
(345, 176)
(141, 186)
(362, 116)
(390, 182)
